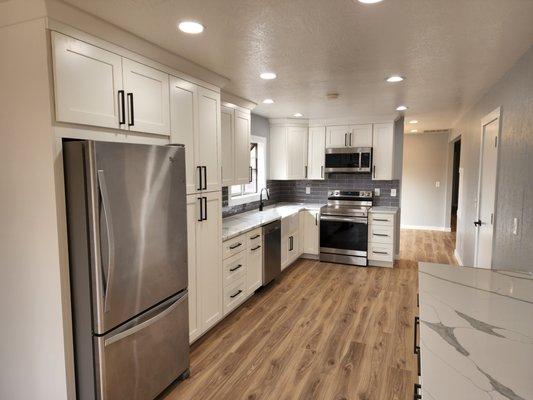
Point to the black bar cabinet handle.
(235, 246)
(255, 248)
(122, 105)
(255, 237)
(201, 210)
(236, 294)
(416, 395)
(199, 178)
(205, 177)
(205, 208)
(236, 268)
(251, 175)
(417, 322)
(417, 351)
(132, 114)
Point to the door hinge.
(495, 141)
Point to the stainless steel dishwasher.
(271, 251)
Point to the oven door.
(342, 160)
(343, 239)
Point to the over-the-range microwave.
(348, 159)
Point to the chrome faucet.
(261, 205)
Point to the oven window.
(343, 235)
(365, 160)
(343, 160)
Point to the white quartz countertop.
(244, 222)
(384, 210)
(476, 333)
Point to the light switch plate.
(307, 190)
(437, 184)
(393, 193)
(377, 192)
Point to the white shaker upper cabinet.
(147, 98)
(183, 111)
(227, 146)
(361, 136)
(208, 139)
(297, 148)
(338, 136)
(317, 152)
(87, 81)
(242, 147)
(383, 152)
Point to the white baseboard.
(456, 255)
(426, 228)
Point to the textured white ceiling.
(450, 51)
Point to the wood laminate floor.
(320, 331)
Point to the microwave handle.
(350, 139)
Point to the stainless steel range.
(344, 227)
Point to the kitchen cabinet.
(235, 132)
(349, 136)
(382, 238)
(383, 152)
(254, 262)
(97, 87)
(290, 240)
(87, 81)
(204, 229)
(195, 123)
(309, 232)
(147, 98)
(288, 152)
(316, 153)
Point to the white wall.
(425, 161)
(32, 345)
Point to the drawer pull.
(417, 322)
(255, 237)
(380, 220)
(236, 294)
(380, 234)
(236, 268)
(255, 248)
(416, 395)
(235, 246)
(380, 252)
(417, 352)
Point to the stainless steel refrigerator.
(127, 232)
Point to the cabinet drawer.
(289, 224)
(234, 295)
(234, 268)
(233, 246)
(255, 238)
(380, 234)
(381, 219)
(381, 252)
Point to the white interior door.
(87, 80)
(490, 127)
(147, 92)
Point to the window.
(249, 192)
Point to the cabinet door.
(361, 136)
(278, 152)
(242, 147)
(294, 247)
(208, 138)
(337, 136)
(317, 151)
(193, 207)
(254, 272)
(285, 244)
(227, 145)
(297, 152)
(87, 80)
(147, 98)
(310, 232)
(182, 123)
(209, 259)
(382, 152)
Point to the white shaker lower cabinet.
(290, 241)
(309, 232)
(254, 262)
(235, 133)
(87, 81)
(288, 151)
(382, 238)
(204, 230)
(316, 158)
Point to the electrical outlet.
(393, 193)
(377, 192)
(307, 190)
(437, 184)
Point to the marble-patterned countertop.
(384, 210)
(476, 333)
(241, 223)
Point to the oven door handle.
(344, 219)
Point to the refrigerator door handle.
(108, 278)
(128, 332)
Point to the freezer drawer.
(140, 359)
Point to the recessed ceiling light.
(395, 78)
(298, 115)
(268, 75)
(414, 130)
(414, 121)
(401, 108)
(191, 27)
(369, 1)
(268, 101)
